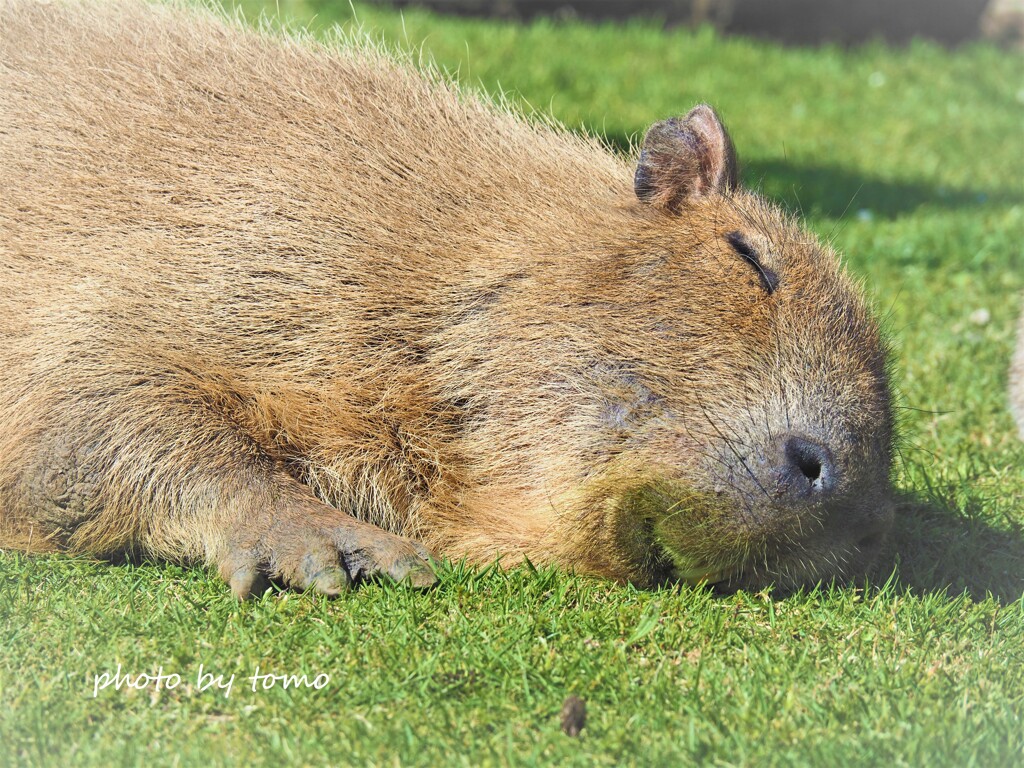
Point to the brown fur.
(1017, 379)
(254, 288)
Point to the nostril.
(810, 462)
(810, 466)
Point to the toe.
(422, 551)
(413, 571)
(246, 581)
(316, 568)
(332, 581)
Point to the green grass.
(476, 671)
(911, 160)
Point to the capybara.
(301, 312)
(1017, 379)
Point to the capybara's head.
(750, 396)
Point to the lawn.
(910, 160)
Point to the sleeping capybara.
(303, 312)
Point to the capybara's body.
(285, 309)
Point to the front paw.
(325, 550)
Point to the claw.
(415, 573)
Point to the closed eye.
(744, 248)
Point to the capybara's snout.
(790, 507)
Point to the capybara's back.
(302, 311)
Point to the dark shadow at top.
(812, 22)
(792, 22)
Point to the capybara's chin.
(731, 540)
(812, 545)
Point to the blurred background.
(789, 21)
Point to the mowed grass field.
(911, 160)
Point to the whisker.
(732, 448)
(842, 216)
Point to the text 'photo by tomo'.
(512, 386)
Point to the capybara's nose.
(805, 468)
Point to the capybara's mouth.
(704, 576)
(801, 566)
(711, 541)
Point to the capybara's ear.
(685, 157)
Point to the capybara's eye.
(745, 248)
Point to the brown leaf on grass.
(574, 715)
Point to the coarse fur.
(262, 300)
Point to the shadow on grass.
(832, 191)
(939, 549)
